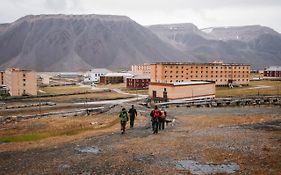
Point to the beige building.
(220, 73)
(142, 69)
(1, 77)
(20, 82)
(182, 90)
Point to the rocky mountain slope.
(79, 42)
(256, 45)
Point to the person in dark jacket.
(155, 114)
(132, 113)
(123, 119)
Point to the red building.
(111, 79)
(114, 78)
(273, 72)
(138, 82)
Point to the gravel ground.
(249, 137)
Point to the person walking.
(123, 119)
(132, 113)
(155, 114)
(162, 119)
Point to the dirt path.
(248, 137)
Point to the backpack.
(156, 113)
(162, 115)
(123, 116)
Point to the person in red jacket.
(155, 114)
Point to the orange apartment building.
(20, 82)
(218, 72)
(142, 69)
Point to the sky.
(202, 13)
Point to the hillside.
(79, 42)
(256, 45)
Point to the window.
(24, 79)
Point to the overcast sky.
(203, 13)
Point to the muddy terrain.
(240, 140)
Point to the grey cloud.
(200, 12)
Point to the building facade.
(138, 82)
(182, 90)
(20, 82)
(2, 77)
(141, 69)
(114, 78)
(218, 72)
(93, 75)
(273, 72)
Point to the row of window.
(138, 84)
(130, 80)
(235, 72)
(216, 80)
(196, 76)
(207, 67)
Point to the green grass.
(274, 89)
(22, 138)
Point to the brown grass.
(274, 89)
(65, 89)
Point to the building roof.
(189, 83)
(273, 68)
(186, 83)
(141, 77)
(19, 70)
(117, 74)
(184, 63)
(99, 70)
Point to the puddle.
(205, 168)
(63, 167)
(93, 150)
(145, 158)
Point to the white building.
(93, 75)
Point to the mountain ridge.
(80, 42)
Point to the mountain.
(256, 45)
(79, 42)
